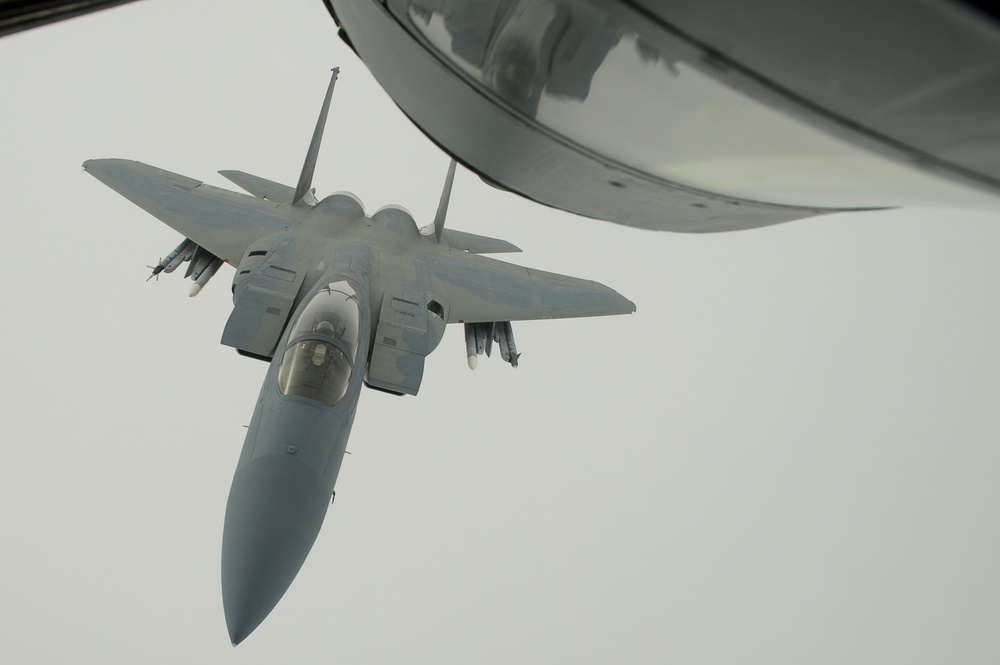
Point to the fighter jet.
(333, 299)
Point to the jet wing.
(262, 188)
(223, 222)
(480, 289)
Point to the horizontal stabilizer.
(262, 188)
(470, 242)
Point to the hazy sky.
(789, 454)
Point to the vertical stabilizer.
(443, 205)
(305, 180)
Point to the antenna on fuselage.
(443, 205)
(304, 188)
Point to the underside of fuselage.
(694, 116)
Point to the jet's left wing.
(224, 223)
(480, 289)
(262, 188)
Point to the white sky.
(788, 455)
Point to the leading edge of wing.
(223, 222)
(480, 289)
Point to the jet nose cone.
(276, 507)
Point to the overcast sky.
(789, 454)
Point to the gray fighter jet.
(333, 299)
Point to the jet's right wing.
(224, 223)
(480, 289)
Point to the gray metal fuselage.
(280, 493)
(333, 299)
(295, 445)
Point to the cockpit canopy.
(322, 346)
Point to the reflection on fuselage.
(572, 69)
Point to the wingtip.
(97, 165)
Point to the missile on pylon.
(199, 261)
(171, 261)
(479, 338)
(488, 333)
(505, 337)
(204, 276)
(183, 253)
(471, 348)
